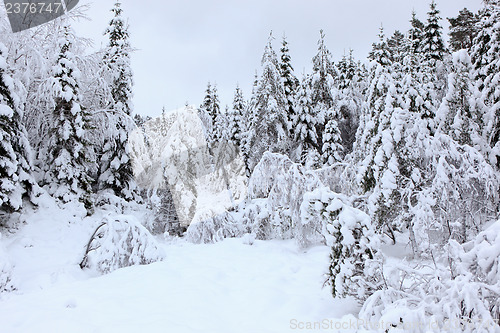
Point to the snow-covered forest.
(364, 193)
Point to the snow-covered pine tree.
(433, 44)
(463, 30)
(416, 33)
(269, 106)
(67, 149)
(15, 152)
(115, 170)
(290, 82)
(486, 60)
(304, 123)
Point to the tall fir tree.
(323, 89)
(290, 82)
(380, 50)
(433, 44)
(397, 46)
(15, 168)
(458, 115)
(116, 171)
(463, 30)
(332, 150)
(236, 118)
(271, 126)
(416, 33)
(211, 110)
(304, 122)
(67, 176)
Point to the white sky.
(183, 44)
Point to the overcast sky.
(183, 44)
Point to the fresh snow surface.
(238, 285)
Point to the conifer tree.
(463, 30)
(15, 168)
(322, 81)
(304, 122)
(433, 44)
(68, 148)
(416, 33)
(458, 114)
(116, 166)
(380, 50)
(290, 82)
(486, 61)
(211, 109)
(235, 118)
(270, 130)
(397, 46)
(332, 143)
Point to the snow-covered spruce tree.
(322, 85)
(348, 102)
(416, 33)
(290, 82)
(66, 174)
(458, 115)
(210, 110)
(433, 45)
(115, 170)
(15, 169)
(398, 47)
(332, 149)
(380, 52)
(270, 130)
(463, 30)
(367, 134)
(236, 121)
(463, 181)
(304, 123)
(486, 60)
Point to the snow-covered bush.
(355, 262)
(120, 241)
(461, 293)
(282, 184)
(212, 229)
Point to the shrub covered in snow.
(120, 241)
(6, 283)
(212, 228)
(461, 293)
(282, 185)
(355, 262)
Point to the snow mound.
(6, 283)
(119, 242)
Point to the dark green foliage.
(463, 30)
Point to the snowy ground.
(230, 286)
